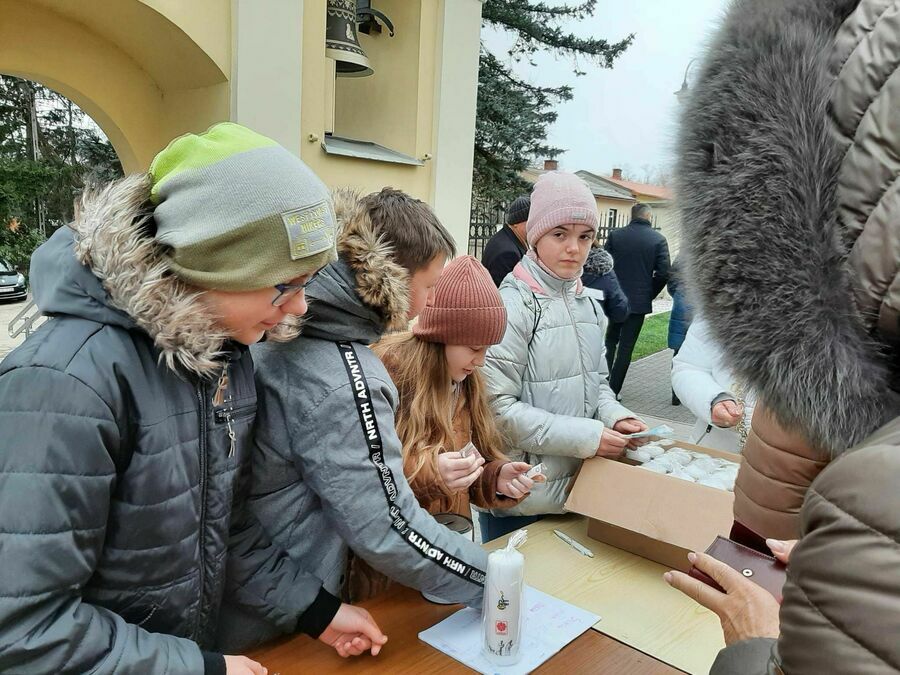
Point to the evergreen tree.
(513, 115)
(49, 150)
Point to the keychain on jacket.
(219, 398)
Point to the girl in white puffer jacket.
(708, 389)
(548, 378)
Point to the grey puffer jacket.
(806, 91)
(548, 381)
(122, 524)
(328, 468)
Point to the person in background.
(123, 497)
(681, 316)
(801, 288)
(505, 249)
(547, 378)
(443, 408)
(723, 406)
(327, 481)
(599, 276)
(641, 256)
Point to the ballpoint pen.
(574, 544)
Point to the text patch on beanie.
(309, 229)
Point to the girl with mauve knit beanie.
(548, 379)
(442, 407)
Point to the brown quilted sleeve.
(777, 469)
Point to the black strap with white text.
(400, 524)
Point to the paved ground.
(648, 391)
(661, 305)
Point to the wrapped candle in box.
(503, 615)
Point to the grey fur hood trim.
(381, 283)
(112, 238)
(599, 262)
(766, 253)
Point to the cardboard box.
(650, 514)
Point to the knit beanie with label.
(467, 308)
(559, 198)
(238, 212)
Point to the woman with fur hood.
(122, 497)
(788, 181)
(599, 276)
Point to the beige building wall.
(669, 223)
(622, 207)
(149, 70)
(456, 97)
(266, 82)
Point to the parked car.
(12, 283)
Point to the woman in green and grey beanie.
(134, 407)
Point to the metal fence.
(487, 218)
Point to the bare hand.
(781, 549)
(632, 425)
(612, 443)
(458, 472)
(745, 609)
(241, 665)
(726, 414)
(512, 481)
(352, 631)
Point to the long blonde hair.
(425, 413)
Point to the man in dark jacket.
(599, 275)
(128, 417)
(507, 247)
(641, 256)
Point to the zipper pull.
(221, 386)
(231, 436)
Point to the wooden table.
(640, 615)
(404, 613)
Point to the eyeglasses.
(287, 292)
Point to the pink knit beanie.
(467, 309)
(559, 198)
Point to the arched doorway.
(130, 64)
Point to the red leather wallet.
(764, 570)
(741, 534)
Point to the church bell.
(342, 40)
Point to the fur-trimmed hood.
(365, 293)
(118, 276)
(599, 262)
(768, 254)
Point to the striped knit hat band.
(238, 212)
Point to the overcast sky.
(624, 116)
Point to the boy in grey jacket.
(127, 419)
(328, 478)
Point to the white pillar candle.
(503, 614)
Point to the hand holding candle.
(459, 470)
(513, 480)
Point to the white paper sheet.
(550, 624)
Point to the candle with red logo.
(504, 602)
